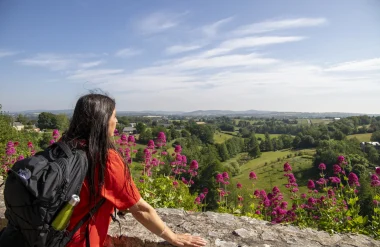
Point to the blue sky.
(192, 55)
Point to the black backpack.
(36, 189)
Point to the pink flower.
(30, 144)
(175, 183)
(240, 198)
(311, 201)
(150, 144)
(131, 139)
(197, 200)
(340, 159)
(123, 137)
(238, 185)
(334, 180)
(303, 195)
(378, 170)
(164, 153)
(21, 157)
(219, 178)
(161, 139)
(193, 165)
(55, 134)
(337, 169)
(376, 203)
(51, 141)
(353, 179)
(310, 184)
(287, 167)
(178, 149)
(10, 151)
(252, 175)
(275, 190)
(294, 190)
(202, 196)
(205, 191)
(184, 159)
(374, 177)
(225, 175)
(116, 132)
(322, 167)
(321, 181)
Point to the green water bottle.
(63, 218)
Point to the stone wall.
(223, 230)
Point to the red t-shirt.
(120, 192)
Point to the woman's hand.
(188, 240)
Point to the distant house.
(129, 130)
(132, 125)
(336, 118)
(166, 125)
(18, 126)
(200, 122)
(375, 144)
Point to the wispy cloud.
(91, 64)
(181, 48)
(127, 52)
(50, 61)
(7, 53)
(158, 22)
(95, 74)
(249, 42)
(212, 29)
(268, 26)
(362, 65)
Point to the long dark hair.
(89, 124)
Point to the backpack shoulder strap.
(65, 148)
(83, 220)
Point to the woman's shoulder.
(113, 154)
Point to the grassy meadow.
(220, 137)
(362, 137)
(272, 174)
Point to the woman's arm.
(147, 216)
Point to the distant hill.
(199, 113)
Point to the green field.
(272, 174)
(362, 137)
(302, 121)
(220, 137)
(262, 136)
(320, 121)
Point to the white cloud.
(362, 65)
(212, 29)
(50, 61)
(95, 74)
(158, 22)
(7, 53)
(268, 26)
(181, 48)
(249, 42)
(91, 64)
(127, 52)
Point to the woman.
(92, 128)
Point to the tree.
(140, 127)
(145, 136)
(174, 133)
(287, 141)
(61, 122)
(46, 120)
(268, 143)
(222, 151)
(185, 133)
(252, 147)
(22, 119)
(375, 137)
